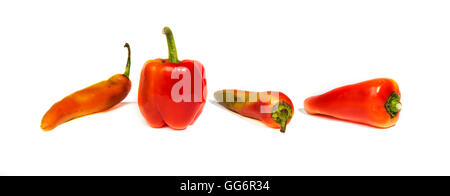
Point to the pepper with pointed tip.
(374, 102)
(96, 98)
(172, 92)
(274, 109)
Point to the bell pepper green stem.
(173, 57)
(127, 68)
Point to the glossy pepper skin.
(95, 98)
(375, 102)
(155, 99)
(272, 108)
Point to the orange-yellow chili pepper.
(96, 98)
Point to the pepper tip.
(45, 128)
(166, 30)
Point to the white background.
(50, 49)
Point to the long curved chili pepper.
(95, 98)
(375, 102)
(159, 82)
(274, 109)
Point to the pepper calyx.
(281, 114)
(393, 105)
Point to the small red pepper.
(375, 102)
(274, 109)
(96, 98)
(161, 79)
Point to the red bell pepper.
(375, 102)
(172, 92)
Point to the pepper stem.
(281, 114)
(173, 57)
(393, 105)
(283, 126)
(127, 68)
